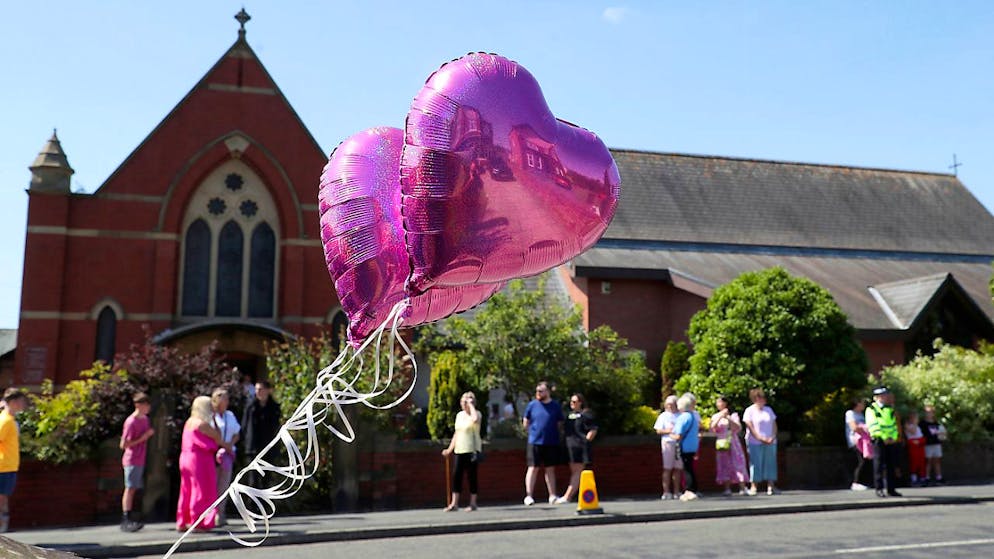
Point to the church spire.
(50, 171)
(242, 18)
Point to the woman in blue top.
(685, 432)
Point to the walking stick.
(448, 481)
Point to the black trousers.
(885, 457)
(464, 464)
(688, 469)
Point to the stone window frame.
(253, 189)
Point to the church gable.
(235, 111)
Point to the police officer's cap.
(880, 391)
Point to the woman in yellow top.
(465, 444)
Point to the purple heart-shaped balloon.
(494, 186)
(363, 237)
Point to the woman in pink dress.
(198, 477)
(730, 463)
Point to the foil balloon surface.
(494, 186)
(363, 238)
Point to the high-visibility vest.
(881, 421)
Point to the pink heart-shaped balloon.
(363, 237)
(494, 186)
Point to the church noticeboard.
(34, 364)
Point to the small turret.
(50, 171)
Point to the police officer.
(882, 423)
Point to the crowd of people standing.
(745, 445)
(208, 451)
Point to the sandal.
(470, 508)
(449, 508)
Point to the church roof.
(882, 242)
(903, 301)
(707, 199)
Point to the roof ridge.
(782, 162)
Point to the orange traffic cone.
(588, 503)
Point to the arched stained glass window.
(231, 248)
(196, 269)
(262, 272)
(106, 336)
(228, 298)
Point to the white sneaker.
(562, 500)
(751, 492)
(668, 497)
(688, 496)
(552, 499)
(858, 487)
(529, 501)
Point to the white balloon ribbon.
(335, 387)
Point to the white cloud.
(615, 14)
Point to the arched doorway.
(242, 342)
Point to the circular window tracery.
(216, 206)
(234, 182)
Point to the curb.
(219, 542)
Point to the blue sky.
(900, 85)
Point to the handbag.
(478, 455)
(723, 445)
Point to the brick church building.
(209, 230)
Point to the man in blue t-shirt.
(543, 418)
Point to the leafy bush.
(639, 420)
(443, 394)
(772, 330)
(292, 367)
(521, 337)
(611, 378)
(822, 425)
(675, 362)
(959, 382)
(71, 425)
(61, 428)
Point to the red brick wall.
(883, 353)
(649, 313)
(67, 495)
(411, 474)
(623, 467)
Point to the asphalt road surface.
(946, 531)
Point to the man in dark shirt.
(260, 424)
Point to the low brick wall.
(68, 494)
(624, 466)
(395, 474)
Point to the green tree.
(675, 362)
(518, 338)
(71, 425)
(521, 337)
(293, 367)
(959, 382)
(772, 330)
(443, 393)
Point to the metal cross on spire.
(242, 18)
(955, 166)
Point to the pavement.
(96, 542)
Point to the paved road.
(947, 531)
(106, 541)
